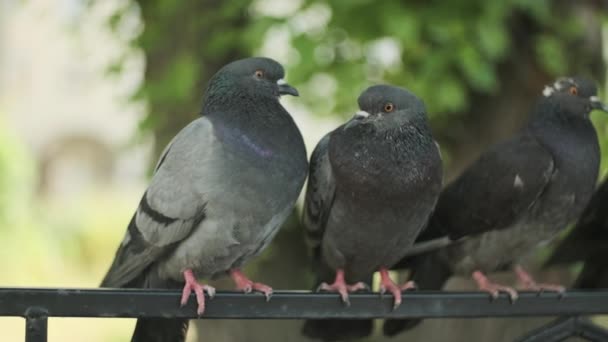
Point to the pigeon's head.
(255, 76)
(386, 105)
(578, 95)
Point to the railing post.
(36, 325)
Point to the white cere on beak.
(361, 114)
(281, 81)
(594, 99)
(548, 91)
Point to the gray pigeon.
(518, 195)
(373, 184)
(588, 243)
(221, 190)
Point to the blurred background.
(91, 91)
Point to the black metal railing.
(37, 304)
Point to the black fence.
(37, 304)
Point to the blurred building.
(60, 98)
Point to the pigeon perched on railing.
(518, 195)
(221, 190)
(588, 243)
(373, 184)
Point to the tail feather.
(429, 273)
(339, 329)
(590, 234)
(594, 274)
(153, 329)
(160, 330)
(335, 329)
(582, 242)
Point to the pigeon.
(588, 243)
(220, 191)
(373, 184)
(519, 195)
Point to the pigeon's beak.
(286, 89)
(360, 115)
(597, 104)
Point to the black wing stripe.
(155, 215)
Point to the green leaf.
(550, 53)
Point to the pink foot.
(387, 284)
(340, 286)
(493, 289)
(528, 283)
(192, 284)
(246, 285)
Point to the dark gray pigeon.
(221, 190)
(373, 184)
(588, 243)
(518, 195)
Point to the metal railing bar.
(565, 327)
(294, 304)
(36, 324)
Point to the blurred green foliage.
(184, 42)
(51, 242)
(600, 120)
(444, 49)
(16, 179)
(448, 51)
(67, 237)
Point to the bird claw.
(210, 291)
(323, 287)
(484, 284)
(340, 286)
(245, 289)
(345, 299)
(357, 287)
(409, 286)
(387, 284)
(199, 290)
(528, 283)
(540, 288)
(264, 289)
(495, 290)
(396, 292)
(247, 285)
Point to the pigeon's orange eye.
(389, 107)
(259, 73)
(573, 90)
